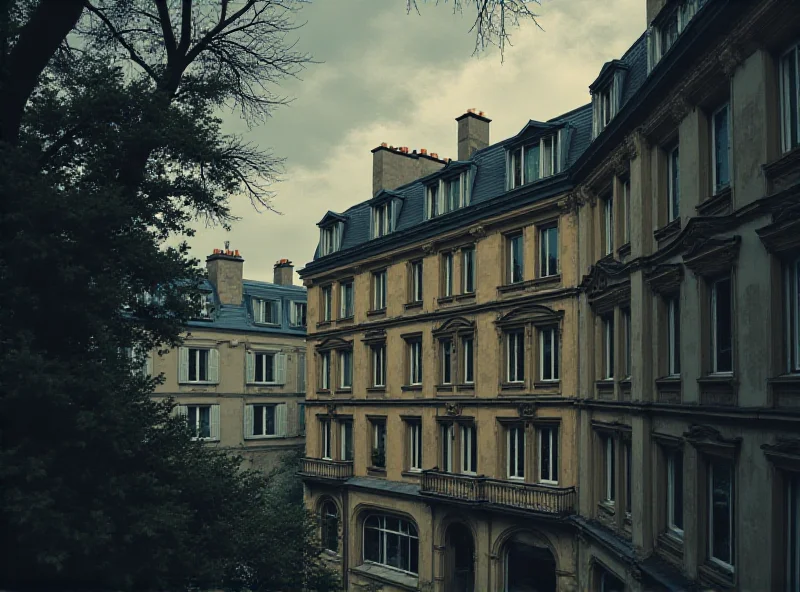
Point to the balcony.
(336, 470)
(555, 501)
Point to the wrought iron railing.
(329, 469)
(526, 496)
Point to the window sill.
(345, 320)
(206, 383)
(343, 391)
(322, 324)
(668, 231)
(604, 389)
(445, 388)
(718, 389)
(547, 384)
(466, 387)
(412, 473)
(376, 471)
(323, 391)
(411, 387)
(271, 437)
(717, 205)
(625, 389)
(783, 172)
(386, 575)
(540, 282)
(715, 575)
(785, 390)
(512, 386)
(671, 547)
(376, 389)
(606, 507)
(376, 313)
(467, 296)
(669, 389)
(445, 299)
(263, 384)
(412, 305)
(257, 324)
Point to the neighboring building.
(239, 377)
(569, 360)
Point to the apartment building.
(569, 360)
(239, 377)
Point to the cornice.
(534, 314)
(709, 440)
(665, 278)
(713, 256)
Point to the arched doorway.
(529, 567)
(459, 559)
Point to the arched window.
(391, 541)
(329, 522)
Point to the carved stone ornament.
(477, 232)
(331, 409)
(374, 336)
(679, 108)
(665, 279)
(710, 440)
(713, 256)
(785, 453)
(527, 410)
(782, 237)
(429, 248)
(453, 409)
(569, 203)
(586, 196)
(730, 58)
(630, 144)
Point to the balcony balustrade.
(327, 469)
(544, 499)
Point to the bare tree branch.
(166, 27)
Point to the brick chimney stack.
(225, 268)
(284, 273)
(473, 133)
(393, 166)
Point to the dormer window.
(385, 213)
(206, 306)
(266, 312)
(667, 26)
(447, 195)
(607, 95)
(331, 230)
(533, 161)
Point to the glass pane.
(547, 354)
(413, 545)
(544, 458)
(473, 442)
(455, 191)
(516, 259)
(556, 374)
(531, 163)
(205, 422)
(677, 493)
(554, 450)
(516, 165)
(372, 542)
(446, 362)
(193, 375)
(552, 251)
(722, 169)
(270, 419)
(721, 507)
(258, 420)
(723, 321)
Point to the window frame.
(260, 305)
(545, 167)
(714, 314)
(711, 462)
(378, 427)
(519, 360)
(415, 445)
(446, 361)
(448, 267)
(608, 347)
(554, 453)
(626, 203)
(790, 138)
(672, 526)
(673, 182)
(378, 356)
(791, 311)
(325, 370)
(198, 365)
(716, 187)
(198, 423)
(468, 272)
(609, 469)
(379, 281)
(446, 438)
(468, 359)
(417, 281)
(511, 241)
(625, 317)
(326, 432)
(345, 378)
(346, 305)
(326, 294)
(608, 226)
(468, 448)
(264, 423)
(415, 362)
(383, 533)
(545, 270)
(515, 463)
(555, 357)
(326, 519)
(673, 335)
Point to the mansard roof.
(331, 217)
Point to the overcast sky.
(403, 79)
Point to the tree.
(493, 19)
(110, 145)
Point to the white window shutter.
(280, 420)
(440, 198)
(396, 206)
(280, 368)
(183, 364)
(301, 372)
(181, 411)
(213, 366)
(292, 313)
(148, 364)
(248, 422)
(250, 366)
(338, 229)
(215, 422)
(276, 309)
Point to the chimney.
(473, 133)
(225, 273)
(395, 166)
(284, 273)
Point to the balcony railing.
(525, 496)
(327, 469)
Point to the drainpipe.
(345, 538)
(489, 556)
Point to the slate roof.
(490, 165)
(240, 318)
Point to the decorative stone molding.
(717, 205)
(375, 336)
(477, 232)
(607, 285)
(569, 203)
(527, 410)
(453, 326)
(782, 237)
(710, 441)
(679, 107)
(718, 391)
(429, 248)
(784, 453)
(730, 57)
(667, 232)
(713, 256)
(665, 278)
(333, 343)
(330, 410)
(452, 409)
(531, 314)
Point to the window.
(327, 303)
(790, 98)
(548, 455)
(628, 457)
(415, 445)
(515, 264)
(416, 281)
(468, 269)
(265, 367)
(626, 326)
(265, 420)
(327, 441)
(297, 316)
(379, 290)
(469, 449)
(793, 534)
(608, 225)
(548, 353)
(453, 188)
(532, 162)
(792, 315)
(325, 371)
(415, 362)
(675, 492)
(467, 346)
(432, 201)
(392, 542)
(669, 33)
(346, 369)
(721, 327)
(382, 221)
(203, 420)
(346, 300)
(608, 346)
(379, 443)
(720, 513)
(674, 336)
(548, 251)
(301, 372)
(515, 452)
(346, 440)
(330, 238)
(446, 346)
(626, 203)
(301, 418)
(609, 469)
(449, 195)
(379, 365)
(673, 184)
(515, 356)
(198, 365)
(447, 435)
(266, 312)
(206, 310)
(608, 582)
(720, 149)
(329, 525)
(447, 274)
